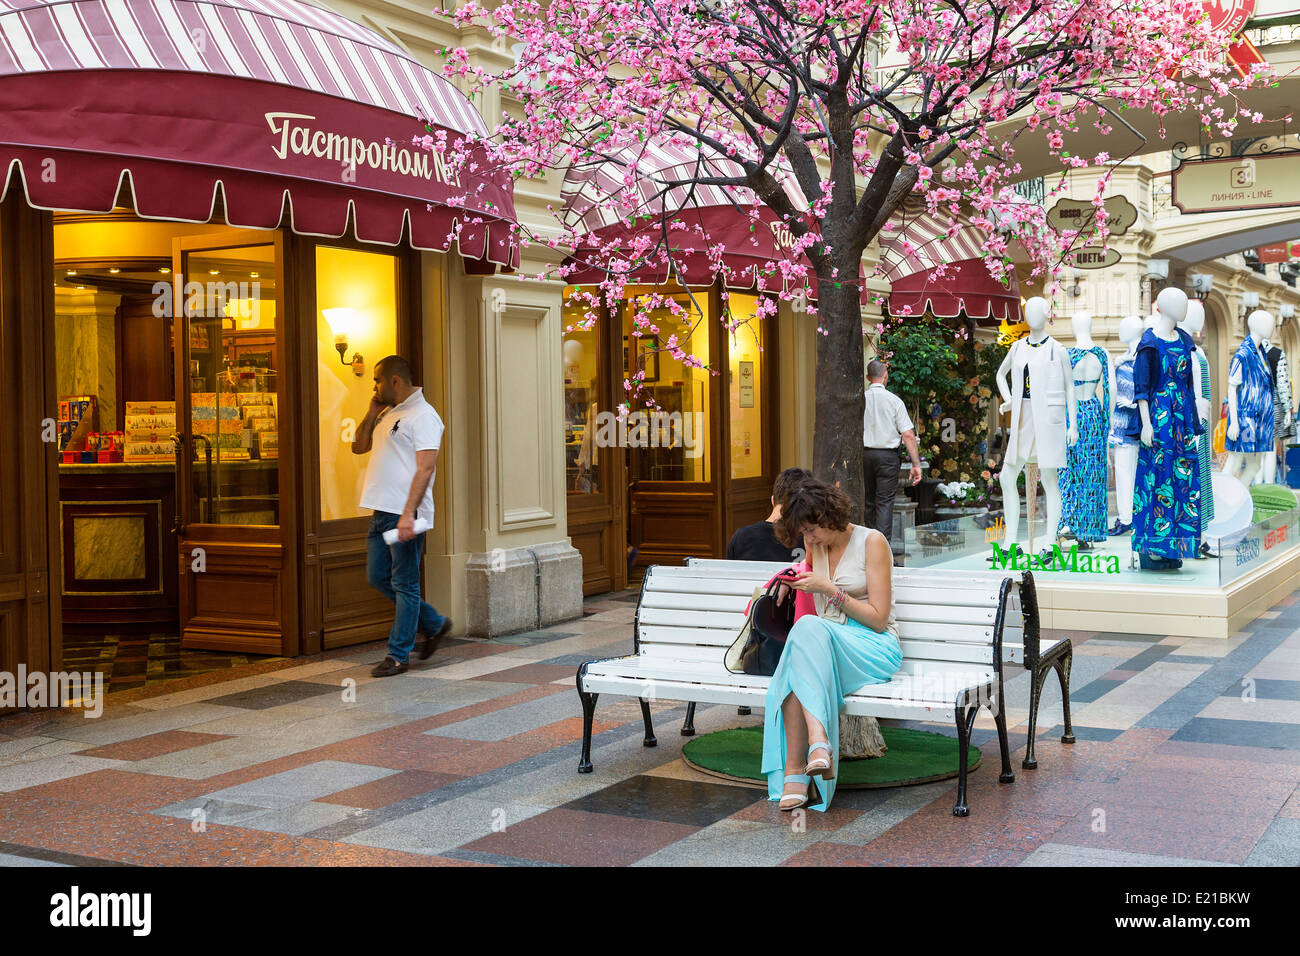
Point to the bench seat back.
(692, 614)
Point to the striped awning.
(614, 200)
(916, 240)
(275, 111)
(917, 245)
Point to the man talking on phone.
(403, 431)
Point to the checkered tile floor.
(1188, 753)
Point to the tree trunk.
(860, 737)
(837, 439)
(837, 428)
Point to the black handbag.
(757, 649)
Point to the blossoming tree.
(822, 117)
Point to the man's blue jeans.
(394, 571)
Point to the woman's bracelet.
(838, 598)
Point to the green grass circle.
(914, 756)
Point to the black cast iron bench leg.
(688, 726)
(588, 711)
(1036, 677)
(1063, 672)
(965, 722)
(1000, 718)
(649, 727)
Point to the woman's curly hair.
(812, 502)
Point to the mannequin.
(1281, 409)
(1083, 482)
(1039, 430)
(1194, 325)
(1126, 426)
(1250, 402)
(1167, 385)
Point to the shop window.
(356, 306)
(670, 440)
(230, 299)
(580, 351)
(745, 349)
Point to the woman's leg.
(816, 733)
(796, 734)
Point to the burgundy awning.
(750, 249)
(966, 286)
(285, 113)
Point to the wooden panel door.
(376, 289)
(676, 481)
(237, 459)
(29, 618)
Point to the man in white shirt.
(885, 424)
(404, 433)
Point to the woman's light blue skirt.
(822, 662)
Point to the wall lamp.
(1200, 283)
(1077, 290)
(342, 322)
(1157, 269)
(1286, 311)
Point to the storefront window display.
(745, 348)
(356, 307)
(674, 445)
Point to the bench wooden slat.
(978, 634)
(658, 668)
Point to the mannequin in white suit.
(1043, 421)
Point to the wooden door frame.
(610, 511)
(410, 342)
(27, 363)
(289, 446)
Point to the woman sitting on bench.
(851, 642)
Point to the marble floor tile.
(35, 772)
(301, 784)
(1065, 855)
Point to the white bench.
(956, 629)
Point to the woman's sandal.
(793, 801)
(820, 766)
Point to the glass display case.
(974, 542)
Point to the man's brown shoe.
(431, 641)
(388, 667)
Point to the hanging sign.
(1237, 182)
(1093, 258)
(1077, 214)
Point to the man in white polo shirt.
(885, 425)
(404, 433)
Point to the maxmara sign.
(293, 135)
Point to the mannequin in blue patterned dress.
(1250, 402)
(1166, 383)
(1083, 479)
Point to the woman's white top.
(850, 574)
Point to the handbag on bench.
(757, 649)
